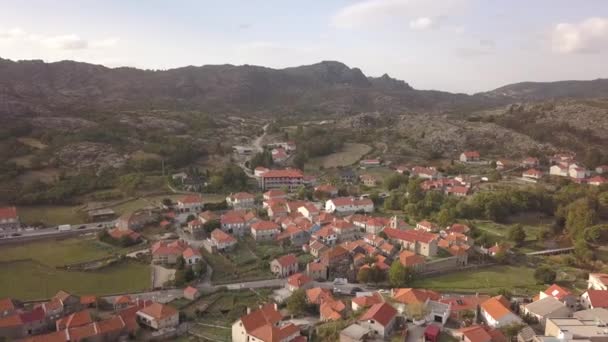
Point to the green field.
(27, 280)
(484, 280)
(350, 154)
(51, 215)
(59, 252)
(29, 271)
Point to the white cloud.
(372, 12)
(588, 36)
(13, 33)
(66, 42)
(483, 48)
(104, 43)
(422, 23)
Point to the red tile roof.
(159, 311)
(13, 320)
(6, 304)
(409, 259)
(476, 333)
(285, 173)
(287, 260)
(410, 235)
(264, 225)
(267, 314)
(191, 291)
(7, 213)
(191, 199)
(496, 307)
(222, 237)
(88, 300)
(471, 154)
(243, 196)
(190, 252)
(382, 313)
(74, 320)
(598, 298)
(318, 295)
(111, 325)
(557, 292)
(409, 295)
(298, 280)
(366, 301)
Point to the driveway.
(162, 275)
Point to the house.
(221, 240)
(331, 309)
(70, 303)
(279, 155)
(411, 260)
(410, 296)
(264, 230)
(601, 169)
(560, 170)
(530, 162)
(316, 247)
(548, 307)
(118, 234)
(425, 172)
(417, 241)
(355, 333)
(461, 304)
(338, 262)
(379, 319)
(349, 205)
(195, 227)
(370, 163)
(23, 323)
(597, 181)
(309, 210)
(458, 228)
(366, 300)
(158, 316)
(264, 325)
(479, 333)
(191, 293)
(597, 281)
(326, 191)
(496, 312)
(259, 171)
(427, 226)
(76, 319)
(593, 299)
(457, 190)
(167, 252)
(316, 270)
(501, 164)
(233, 222)
(560, 294)
(285, 178)
(284, 266)
(577, 172)
(469, 156)
(299, 281)
(122, 302)
(295, 235)
(241, 200)
(192, 256)
(318, 295)
(9, 220)
(533, 174)
(274, 194)
(345, 231)
(326, 236)
(347, 176)
(368, 180)
(190, 204)
(136, 220)
(575, 329)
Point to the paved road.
(52, 232)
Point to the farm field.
(349, 155)
(485, 280)
(55, 253)
(29, 280)
(51, 215)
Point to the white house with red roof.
(370, 162)
(560, 170)
(264, 230)
(533, 174)
(284, 178)
(9, 220)
(299, 281)
(274, 194)
(425, 172)
(192, 256)
(309, 210)
(469, 156)
(597, 181)
(284, 266)
(561, 294)
(327, 189)
(530, 162)
(427, 226)
(222, 240)
(241, 200)
(417, 241)
(380, 319)
(265, 325)
(167, 251)
(497, 313)
(593, 299)
(349, 205)
(190, 203)
(259, 171)
(597, 281)
(158, 316)
(279, 155)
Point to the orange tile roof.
(88, 300)
(8, 213)
(190, 252)
(83, 332)
(331, 309)
(13, 320)
(317, 295)
(159, 311)
(382, 313)
(557, 291)
(125, 299)
(287, 260)
(410, 295)
(271, 333)
(192, 291)
(298, 280)
(267, 314)
(191, 199)
(76, 319)
(409, 258)
(222, 237)
(496, 307)
(476, 333)
(111, 325)
(264, 225)
(57, 336)
(366, 301)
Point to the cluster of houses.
(555, 314)
(67, 317)
(563, 165)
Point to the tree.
(399, 275)
(394, 181)
(544, 275)
(580, 215)
(582, 252)
(296, 303)
(167, 202)
(189, 274)
(199, 268)
(517, 234)
(363, 275)
(180, 263)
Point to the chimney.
(248, 310)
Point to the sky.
(452, 45)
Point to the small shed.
(431, 333)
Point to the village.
(306, 258)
